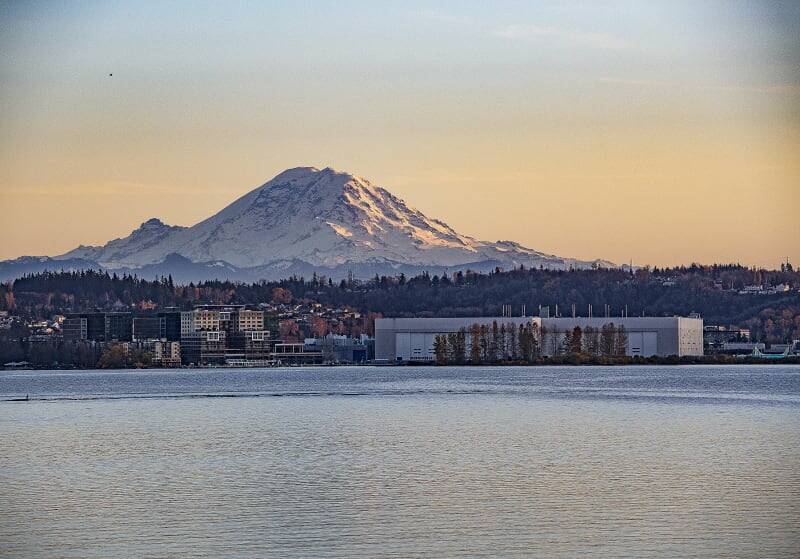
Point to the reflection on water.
(402, 462)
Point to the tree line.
(708, 290)
(481, 344)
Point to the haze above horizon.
(664, 133)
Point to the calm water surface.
(402, 462)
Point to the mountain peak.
(321, 217)
(305, 176)
(152, 223)
(297, 174)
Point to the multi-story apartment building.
(208, 320)
(232, 333)
(250, 320)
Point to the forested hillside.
(713, 291)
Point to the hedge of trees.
(481, 344)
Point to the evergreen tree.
(460, 350)
(452, 349)
(456, 343)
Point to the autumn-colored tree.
(281, 296)
(10, 302)
(440, 349)
(494, 344)
(319, 326)
(621, 341)
(475, 343)
(368, 323)
(566, 342)
(544, 334)
(525, 338)
(591, 341)
(576, 341)
(522, 341)
(289, 331)
(114, 357)
(607, 338)
(139, 358)
(484, 342)
(536, 341)
(512, 343)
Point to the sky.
(661, 133)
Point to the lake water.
(402, 462)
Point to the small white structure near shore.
(412, 339)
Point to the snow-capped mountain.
(308, 219)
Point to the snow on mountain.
(126, 251)
(317, 218)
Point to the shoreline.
(549, 362)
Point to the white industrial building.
(412, 339)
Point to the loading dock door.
(644, 344)
(402, 345)
(649, 343)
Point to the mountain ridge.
(309, 218)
